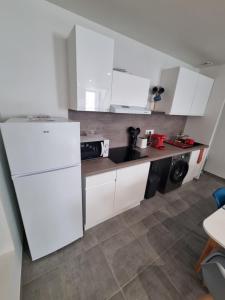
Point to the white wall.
(10, 234)
(216, 157)
(33, 76)
(210, 128)
(6, 244)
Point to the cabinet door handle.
(102, 148)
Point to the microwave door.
(91, 150)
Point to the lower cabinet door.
(99, 203)
(195, 168)
(130, 186)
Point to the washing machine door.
(179, 171)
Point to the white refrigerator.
(45, 164)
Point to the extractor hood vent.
(125, 109)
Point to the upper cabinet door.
(184, 92)
(201, 96)
(90, 69)
(129, 89)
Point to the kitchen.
(36, 93)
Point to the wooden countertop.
(101, 165)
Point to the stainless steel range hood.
(125, 109)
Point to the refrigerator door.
(51, 207)
(34, 147)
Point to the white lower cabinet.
(111, 193)
(130, 186)
(100, 193)
(195, 167)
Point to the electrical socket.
(149, 131)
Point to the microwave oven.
(94, 147)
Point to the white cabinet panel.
(111, 193)
(130, 185)
(100, 191)
(195, 168)
(201, 96)
(129, 89)
(186, 92)
(90, 69)
(99, 203)
(192, 165)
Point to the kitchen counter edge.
(101, 165)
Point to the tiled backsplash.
(114, 126)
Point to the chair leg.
(210, 246)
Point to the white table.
(214, 226)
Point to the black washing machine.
(171, 171)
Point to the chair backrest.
(213, 271)
(219, 196)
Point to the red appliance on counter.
(158, 140)
(181, 142)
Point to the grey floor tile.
(50, 286)
(125, 255)
(177, 207)
(134, 215)
(155, 203)
(118, 296)
(162, 215)
(178, 265)
(157, 240)
(195, 214)
(151, 284)
(206, 206)
(88, 276)
(170, 196)
(144, 225)
(89, 240)
(108, 228)
(32, 270)
(84, 277)
(190, 197)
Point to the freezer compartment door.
(51, 209)
(35, 147)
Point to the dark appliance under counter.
(124, 154)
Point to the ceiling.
(191, 30)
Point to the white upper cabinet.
(129, 90)
(201, 96)
(90, 56)
(186, 92)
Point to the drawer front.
(99, 179)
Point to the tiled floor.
(149, 252)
